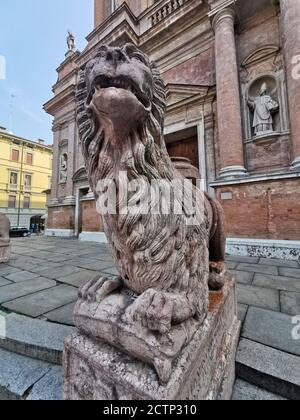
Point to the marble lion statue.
(166, 262)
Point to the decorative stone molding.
(233, 172)
(296, 165)
(221, 15)
(166, 10)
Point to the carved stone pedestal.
(203, 370)
(5, 250)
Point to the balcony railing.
(166, 10)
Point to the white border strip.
(264, 248)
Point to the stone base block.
(5, 251)
(204, 369)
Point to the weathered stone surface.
(18, 374)
(258, 296)
(49, 388)
(7, 269)
(21, 276)
(273, 329)
(290, 303)
(16, 290)
(290, 272)
(279, 263)
(198, 373)
(258, 268)
(241, 259)
(243, 391)
(58, 272)
(34, 338)
(268, 368)
(242, 276)
(242, 312)
(80, 278)
(4, 282)
(39, 303)
(277, 282)
(62, 315)
(231, 265)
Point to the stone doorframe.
(78, 196)
(199, 126)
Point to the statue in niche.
(63, 168)
(264, 107)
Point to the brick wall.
(91, 221)
(61, 217)
(269, 210)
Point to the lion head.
(121, 106)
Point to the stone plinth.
(202, 370)
(5, 250)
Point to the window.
(13, 179)
(29, 158)
(26, 203)
(15, 155)
(12, 202)
(27, 182)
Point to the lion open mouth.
(125, 83)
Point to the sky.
(33, 43)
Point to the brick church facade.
(232, 75)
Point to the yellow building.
(25, 175)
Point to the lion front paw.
(152, 310)
(97, 289)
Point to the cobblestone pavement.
(43, 276)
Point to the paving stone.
(35, 338)
(290, 303)
(62, 271)
(279, 263)
(268, 368)
(47, 266)
(288, 284)
(242, 312)
(62, 315)
(231, 265)
(111, 271)
(243, 277)
(272, 329)
(290, 272)
(243, 391)
(17, 290)
(21, 276)
(240, 259)
(4, 282)
(6, 269)
(49, 388)
(39, 303)
(258, 268)
(18, 374)
(258, 296)
(80, 278)
(95, 265)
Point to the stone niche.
(263, 87)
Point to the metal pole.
(20, 184)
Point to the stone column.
(228, 97)
(55, 165)
(290, 14)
